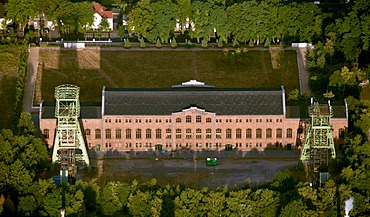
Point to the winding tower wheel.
(319, 144)
(69, 145)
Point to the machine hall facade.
(191, 116)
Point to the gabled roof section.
(101, 10)
(216, 100)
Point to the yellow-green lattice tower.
(69, 145)
(319, 143)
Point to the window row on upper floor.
(190, 119)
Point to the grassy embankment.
(9, 60)
(92, 69)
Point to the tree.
(27, 205)
(214, 203)
(239, 203)
(293, 95)
(144, 204)
(353, 31)
(121, 32)
(346, 78)
(20, 11)
(104, 24)
(164, 20)
(200, 25)
(190, 203)
(20, 159)
(183, 13)
(109, 199)
(294, 208)
(25, 124)
(142, 20)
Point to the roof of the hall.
(222, 101)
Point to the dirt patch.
(276, 56)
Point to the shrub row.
(20, 83)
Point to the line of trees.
(247, 22)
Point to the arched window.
(178, 133)
(168, 133)
(208, 120)
(128, 133)
(198, 119)
(248, 133)
(148, 133)
(118, 134)
(218, 133)
(341, 133)
(97, 134)
(279, 133)
(259, 133)
(268, 133)
(238, 133)
(198, 133)
(208, 133)
(158, 133)
(188, 119)
(87, 132)
(138, 133)
(228, 133)
(289, 133)
(178, 120)
(45, 133)
(188, 133)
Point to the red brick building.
(192, 115)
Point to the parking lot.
(194, 173)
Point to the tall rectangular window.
(158, 133)
(268, 133)
(97, 133)
(208, 133)
(198, 133)
(118, 134)
(188, 133)
(168, 133)
(148, 133)
(279, 133)
(259, 133)
(46, 134)
(138, 133)
(108, 133)
(128, 133)
(218, 133)
(289, 133)
(238, 133)
(248, 133)
(178, 133)
(228, 133)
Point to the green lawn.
(92, 69)
(9, 60)
(365, 93)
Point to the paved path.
(33, 61)
(303, 74)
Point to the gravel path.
(33, 61)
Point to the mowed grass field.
(9, 60)
(93, 69)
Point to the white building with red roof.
(100, 13)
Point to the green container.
(211, 161)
